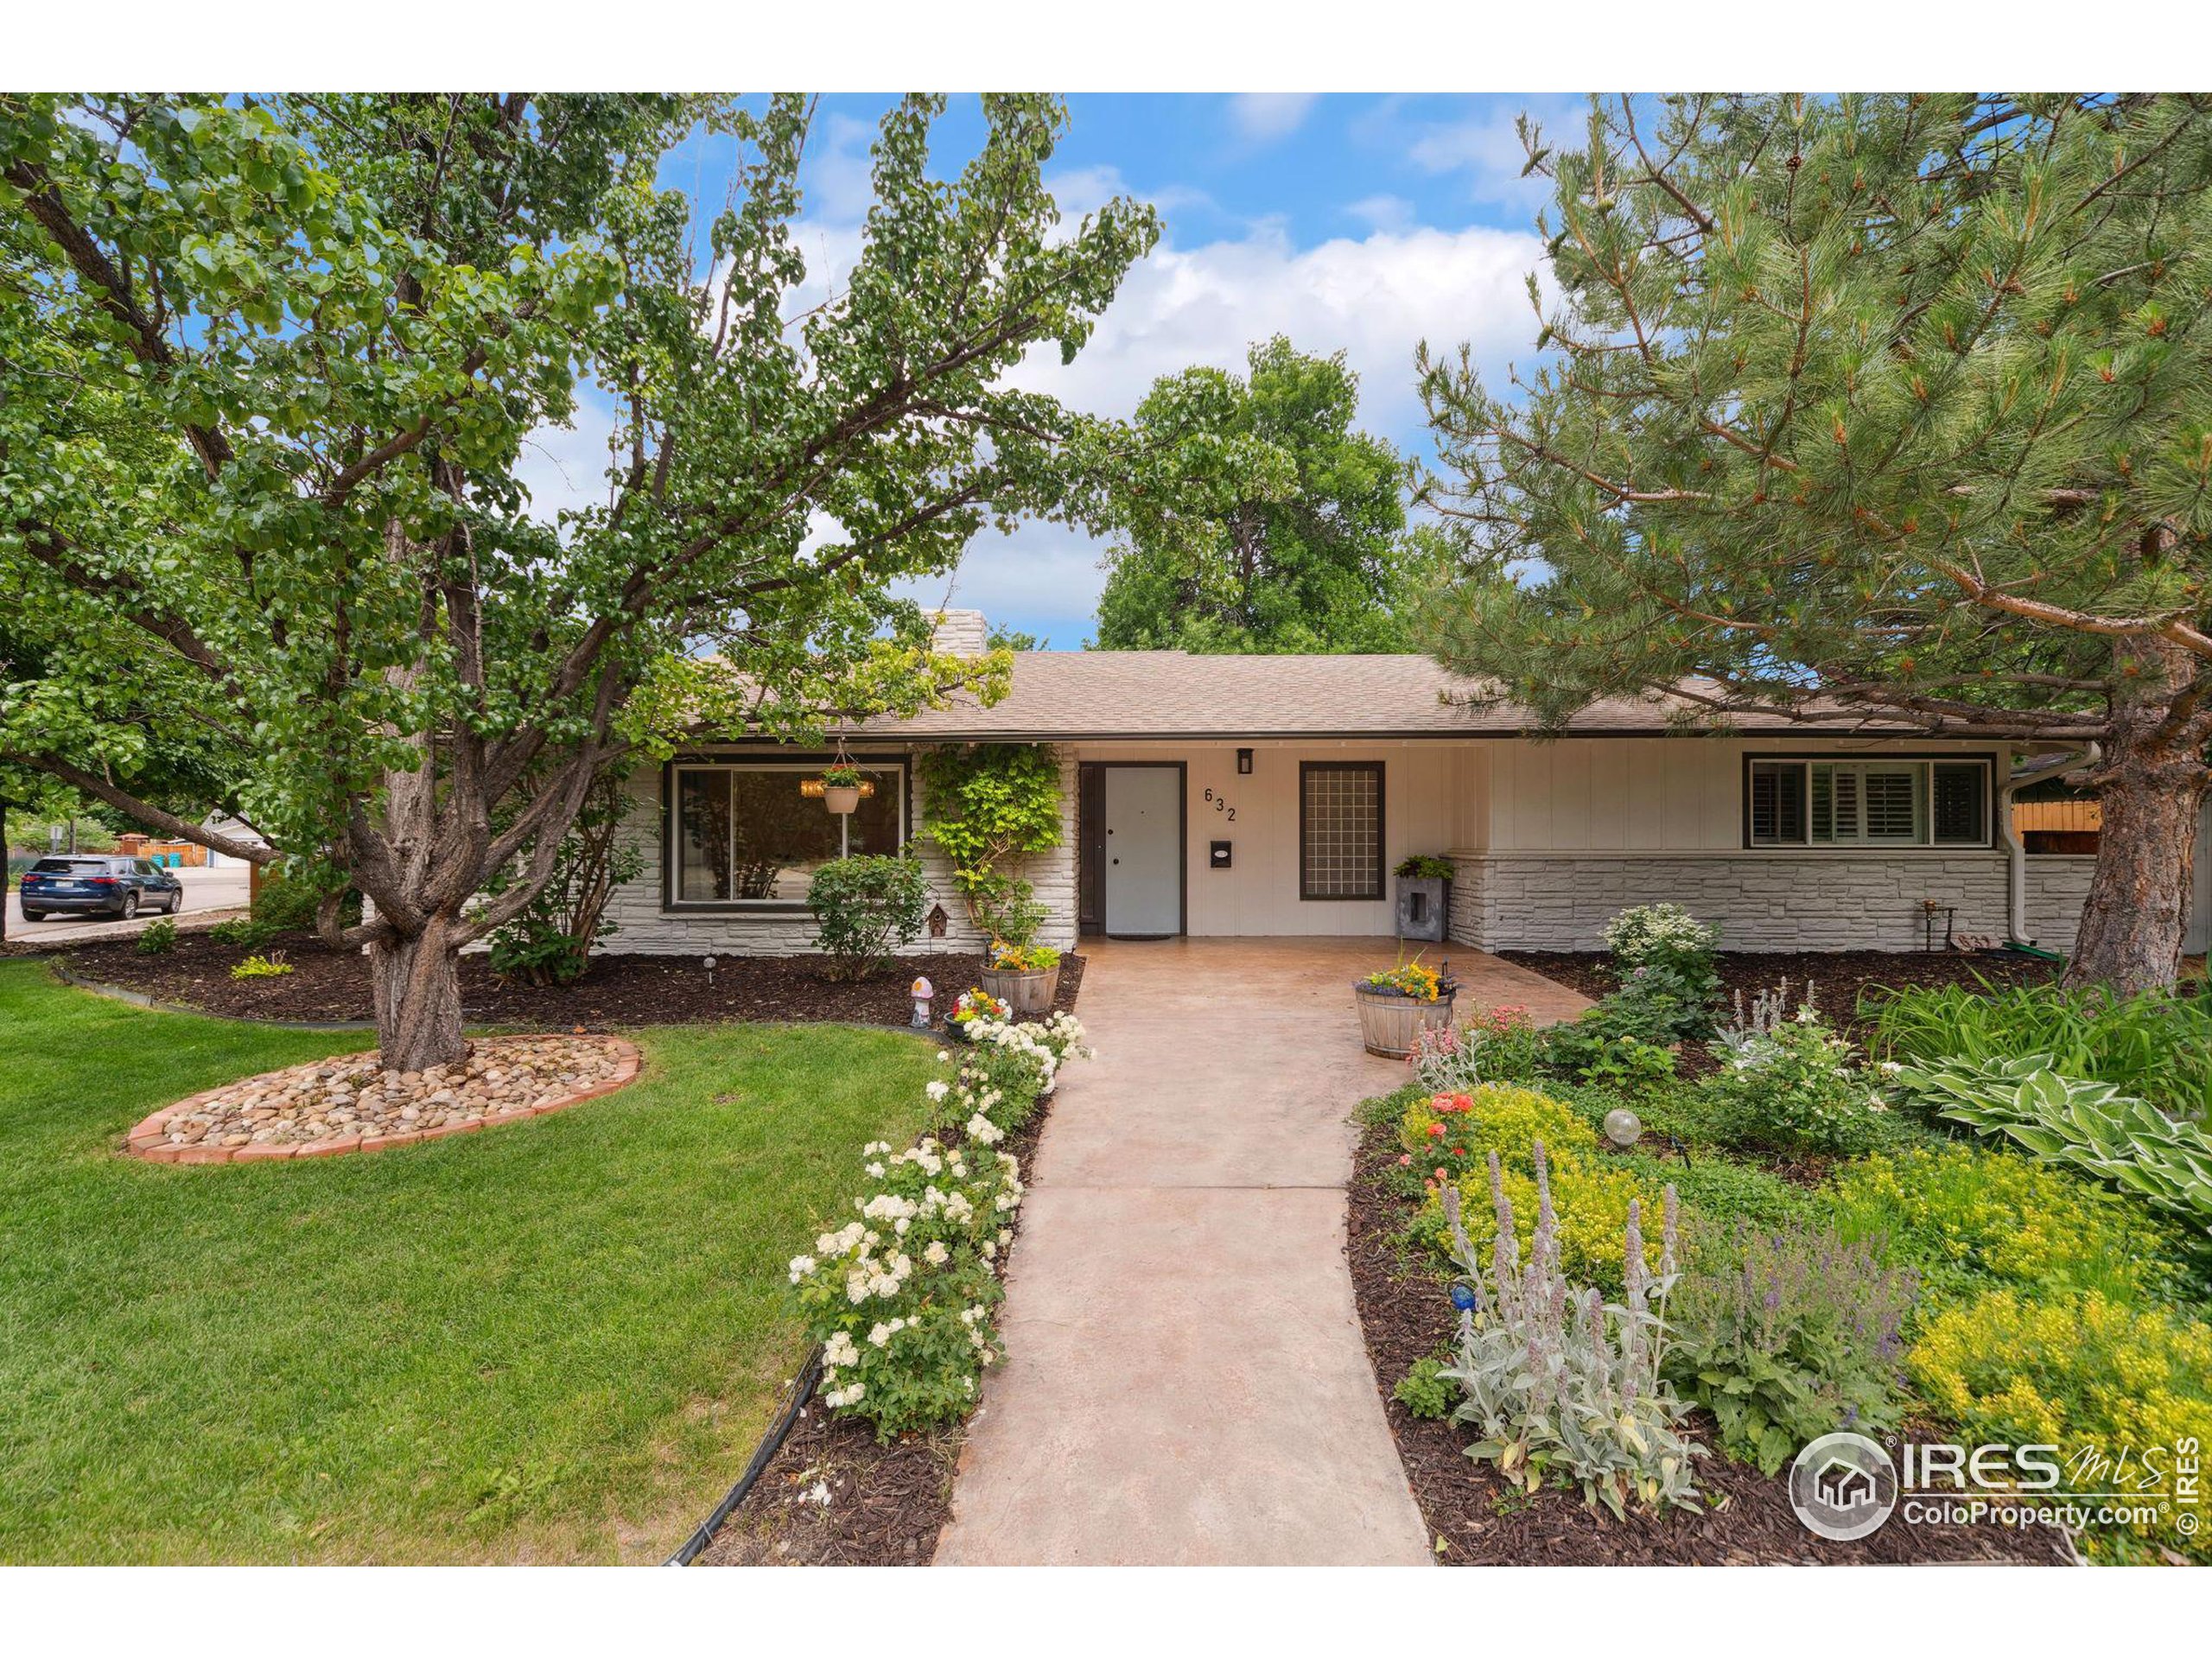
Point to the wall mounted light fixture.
(1244, 763)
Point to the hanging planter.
(841, 787)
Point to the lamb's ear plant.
(1557, 1380)
(2087, 1126)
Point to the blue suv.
(99, 883)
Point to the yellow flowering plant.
(2090, 1376)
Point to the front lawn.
(553, 1341)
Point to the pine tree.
(1890, 406)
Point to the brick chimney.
(961, 634)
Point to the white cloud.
(1375, 299)
(1266, 116)
(1487, 147)
(1383, 213)
(838, 176)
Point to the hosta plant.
(1561, 1384)
(2091, 1127)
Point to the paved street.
(208, 894)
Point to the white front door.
(1144, 851)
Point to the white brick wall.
(642, 926)
(1825, 901)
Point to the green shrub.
(902, 1297)
(2157, 1045)
(1964, 1217)
(242, 931)
(1785, 1336)
(1588, 1054)
(2080, 1372)
(158, 938)
(1790, 1086)
(550, 941)
(288, 904)
(1670, 953)
(866, 908)
(1426, 1391)
(272, 966)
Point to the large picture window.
(1340, 829)
(743, 834)
(1815, 802)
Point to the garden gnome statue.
(923, 992)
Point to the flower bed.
(352, 1105)
(902, 1299)
(1851, 1234)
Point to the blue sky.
(1363, 223)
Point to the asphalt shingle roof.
(1063, 694)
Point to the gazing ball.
(1623, 1127)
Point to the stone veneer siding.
(641, 925)
(1758, 902)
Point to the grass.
(553, 1341)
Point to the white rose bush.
(902, 1297)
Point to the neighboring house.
(1272, 795)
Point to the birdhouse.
(938, 919)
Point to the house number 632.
(1220, 804)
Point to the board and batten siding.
(643, 925)
(1433, 797)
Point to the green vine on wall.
(990, 805)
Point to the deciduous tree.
(267, 372)
(1254, 516)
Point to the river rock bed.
(351, 1096)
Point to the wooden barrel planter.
(1029, 993)
(1388, 1024)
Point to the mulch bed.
(886, 1504)
(326, 985)
(1837, 976)
(1484, 1521)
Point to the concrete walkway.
(1186, 1379)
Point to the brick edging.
(150, 1140)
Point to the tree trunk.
(418, 1001)
(2151, 792)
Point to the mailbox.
(1217, 855)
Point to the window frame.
(781, 760)
(1381, 895)
(1925, 760)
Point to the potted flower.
(1396, 1004)
(841, 788)
(973, 1005)
(1025, 976)
(1424, 896)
